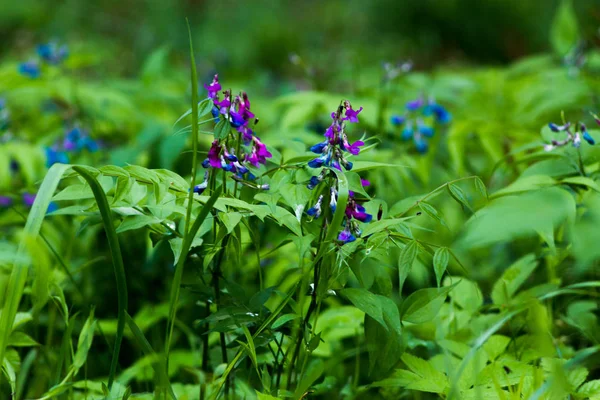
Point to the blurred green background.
(247, 38)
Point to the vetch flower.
(52, 53)
(6, 201)
(53, 156)
(315, 211)
(572, 134)
(346, 236)
(417, 111)
(336, 143)
(30, 69)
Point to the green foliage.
(475, 278)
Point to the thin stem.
(434, 191)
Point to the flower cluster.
(255, 152)
(49, 53)
(572, 135)
(74, 141)
(332, 156)
(414, 121)
(336, 143)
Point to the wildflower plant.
(420, 120)
(333, 155)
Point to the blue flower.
(421, 144)
(315, 211)
(407, 133)
(314, 181)
(30, 69)
(398, 119)
(441, 114)
(54, 156)
(52, 53)
(318, 148)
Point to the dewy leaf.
(441, 257)
(424, 304)
(564, 33)
(405, 262)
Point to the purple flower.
(346, 236)
(213, 88)
(214, 152)
(28, 199)
(5, 201)
(352, 115)
(365, 182)
(259, 154)
(414, 105)
(353, 148)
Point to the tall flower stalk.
(333, 159)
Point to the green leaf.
(117, 260)
(367, 302)
(564, 33)
(159, 366)
(524, 215)
(21, 339)
(431, 211)
(18, 276)
(137, 222)
(424, 304)
(458, 195)
(512, 279)
(428, 378)
(378, 226)
(285, 318)
(222, 129)
(441, 257)
(84, 343)
(405, 262)
(583, 181)
(467, 294)
(480, 186)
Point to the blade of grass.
(159, 367)
(189, 233)
(117, 259)
(18, 275)
(194, 78)
(185, 248)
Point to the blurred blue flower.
(30, 69)
(416, 111)
(54, 156)
(52, 53)
(6, 201)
